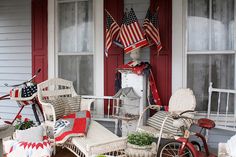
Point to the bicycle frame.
(33, 101)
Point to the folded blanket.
(75, 124)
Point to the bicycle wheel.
(171, 149)
(38, 114)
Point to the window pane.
(66, 21)
(198, 25)
(78, 69)
(85, 26)
(222, 24)
(203, 69)
(76, 26)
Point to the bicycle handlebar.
(25, 82)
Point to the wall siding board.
(21, 22)
(22, 56)
(15, 51)
(15, 29)
(14, 36)
(17, 63)
(15, 43)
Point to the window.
(210, 48)
(75, 44)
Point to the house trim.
(179, 44)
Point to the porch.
(66, 39)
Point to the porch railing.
(224, 117)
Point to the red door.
(115, 54)
(39, 39)
(161, 64)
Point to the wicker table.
(6, 132)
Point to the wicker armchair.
(99, 140)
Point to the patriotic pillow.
(75, 124)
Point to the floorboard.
(63, 153)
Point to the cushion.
(33, 134)
(157, 119)
(78, 126)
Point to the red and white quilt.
(72, 125)
(28, 149)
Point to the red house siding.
(39, 39)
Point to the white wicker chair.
(99, 140)
(181, 100)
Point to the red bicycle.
(183, 146)
(25, 94)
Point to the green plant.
(23, 124)
(101, 156)
(140, 139)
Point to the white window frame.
(98, 51)
(179, 45)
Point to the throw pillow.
(156, 122)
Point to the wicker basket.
(143, 151)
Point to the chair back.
(54, 88)
(183, 99)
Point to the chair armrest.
(49, 112)
(86, 103)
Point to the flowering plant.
(21, 124)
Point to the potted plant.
(141, 144)
(21, 124)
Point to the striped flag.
(111, 30)
(130, 33)
(151, 29)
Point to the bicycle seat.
(206, 123)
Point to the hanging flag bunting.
(151, 29)
(130, 33)
(112, 28)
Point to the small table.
(6, 132)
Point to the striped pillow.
(72, 104)
(59, 107)
(156, 122)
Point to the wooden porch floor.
(63, 153)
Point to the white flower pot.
(144, 151)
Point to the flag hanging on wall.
(151, 29)
(112, 29)
(130, 33)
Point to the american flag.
(130, 34)
(151, 29)
(111, 29)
